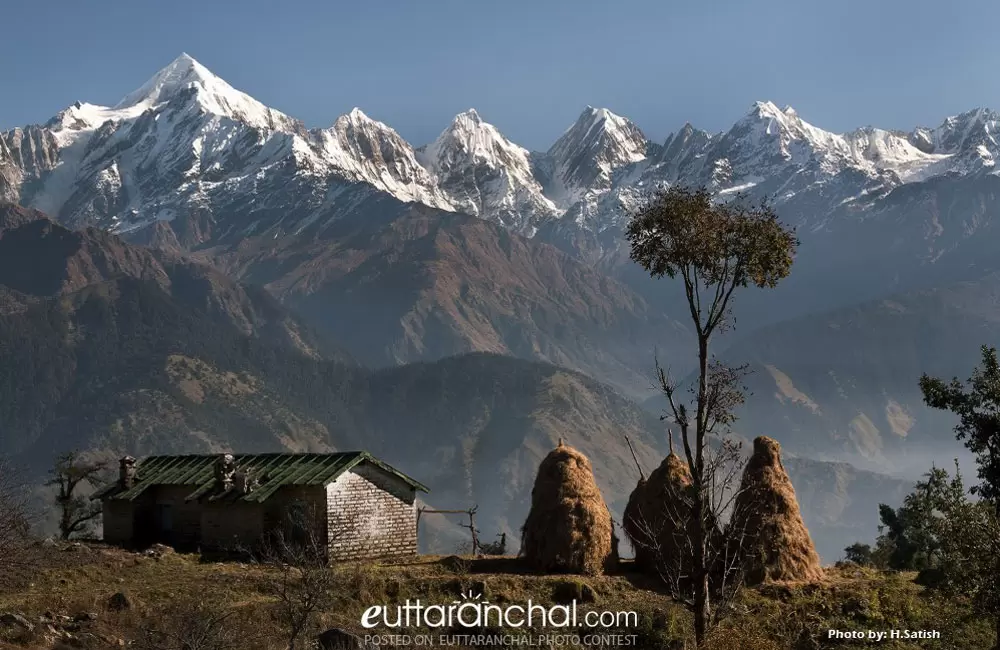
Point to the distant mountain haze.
(843, 383)
(131, 362)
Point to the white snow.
(218, 146)
(586, 157)
(472, 148)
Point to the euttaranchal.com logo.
(477, 616)
(473, 612)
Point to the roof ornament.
(244, 481)
(126, 472)
(225, 469)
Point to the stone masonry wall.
(185, 516)
(231, 526)
(116, 520)
(371, 514)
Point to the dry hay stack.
(654, 510)
(776, 545)
(569, 527)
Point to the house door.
(164, 523)
(297, 524)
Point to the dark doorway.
(297, 524)
(144, 527)
(164, 523)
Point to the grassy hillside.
(69, 600)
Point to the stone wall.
(311, 498)
(366, 513)
(231, 526)
(370, 514)
(185, 516)
(117, 517)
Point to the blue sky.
(528, 67)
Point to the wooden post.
(471, 512)
(472, 528)
(637, 465)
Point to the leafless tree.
(304, 586)
(70, 473)
(15, 522)
(668, 534)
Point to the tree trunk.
(64, 523)
(702, 606)
(996, 510)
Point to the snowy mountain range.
(186, 141)
(189, 162)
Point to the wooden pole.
(471, 512)
(472, 528)
(639, 467)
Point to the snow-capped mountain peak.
(366, 150)
(470, 115)
(470, 140)
(587, 155)
(358, 115)
(180, 74)
(188, 143)
(484, 173)
(183, 75)
(358, 119)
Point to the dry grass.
(569, 527)
(171, 592)
(778, 547)
(160, 588)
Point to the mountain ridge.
(596, 169)
(428, 284)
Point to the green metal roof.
(272, 471)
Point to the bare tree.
(15, 522)
(71, 472)
(305, 583)
(714, 248)
(667, 532)
(476, 548)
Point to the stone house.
(354, 505)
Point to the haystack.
(656, 513)
(776, 544)
(569, 527)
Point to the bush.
(860, 554)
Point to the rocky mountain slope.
(420, 284)
(41, 260)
